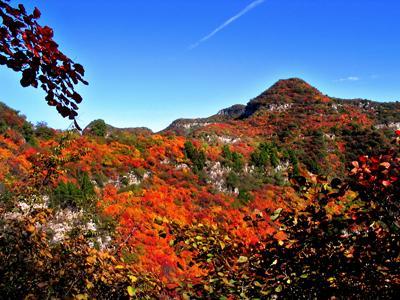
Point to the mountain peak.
(287, 91)
(292, 85)
(292, 90)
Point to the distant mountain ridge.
(185, 126)
(111, 130)
(290, 95)
(291, 101)
(321, 130)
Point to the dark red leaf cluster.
(378, 178)
(29, 48)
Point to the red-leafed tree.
(29, 48)
(377, 179)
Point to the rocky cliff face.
(233, 112)
(187, 126)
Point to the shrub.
(43, 131)
(98, 128)
(266, 155)
(231, 159)
(197, 157)
(68, 194)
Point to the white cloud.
(349, 78)
(248, 8)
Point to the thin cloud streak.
(350, 78)
(250, 7)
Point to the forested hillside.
(293, 196)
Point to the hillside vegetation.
(294, 195)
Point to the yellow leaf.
(222, 244)
(331, 279)
(226, 282)
(256, 283)
(89, 285)
(30, 228)
(133, 278)
(158, 220)
(185, 296)
(242, 259)
(276, 214)
(131, 291)
(119, 267)
(91, 259)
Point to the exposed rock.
(187, 126)
(233, 112)
(130, 179)
(61, 223)
(228, 139)
(392, 125)
(182, 167)
(217, 175)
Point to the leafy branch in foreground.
(29, 48)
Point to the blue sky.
(152, 61)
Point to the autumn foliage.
(174, 235)
(29, 48)
(295, 198)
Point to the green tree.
(231, 159)
(197, 157)
(43, 131)
(266, 155)
(294, 161)
(98, 128)
(68, 194)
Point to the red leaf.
(22, 9)
(77, 97)
(386, 165)
(74, 106)
(363, 158)
(48, 33)
(374, 160)
(63, 110)
(386, 183)
(3, 60)
(79, 68)
(36, 13)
